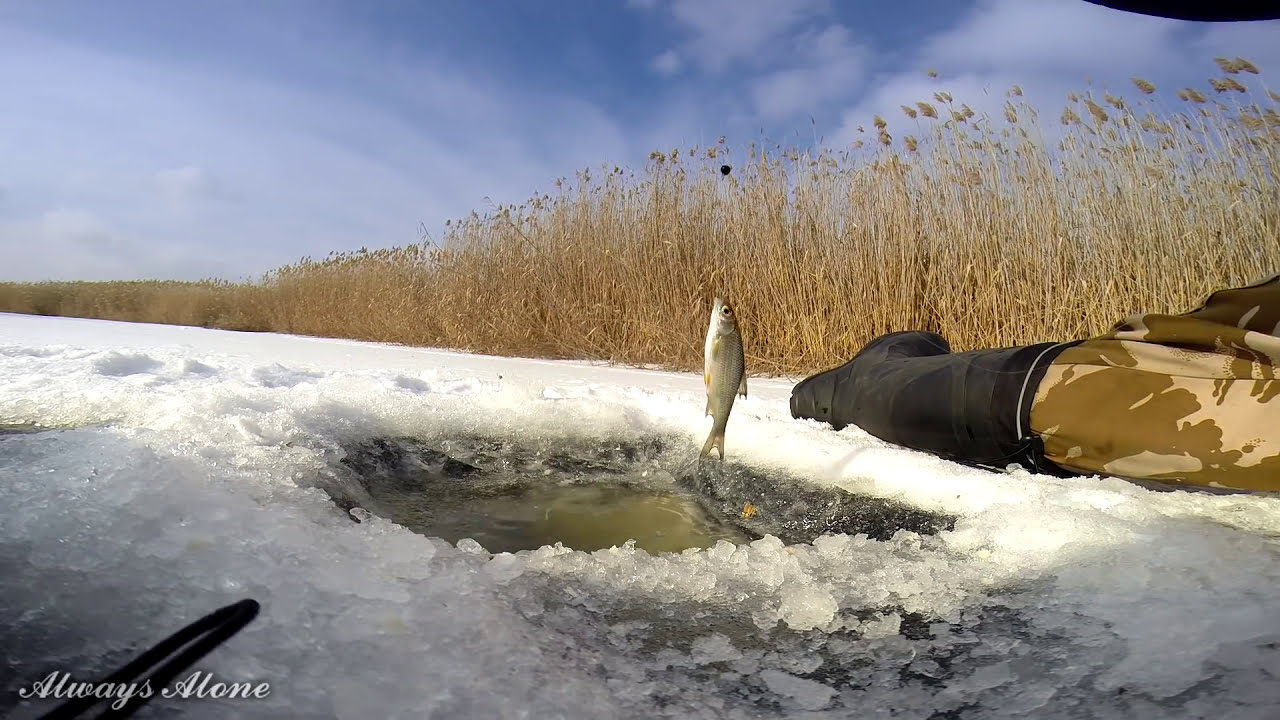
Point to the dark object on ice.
(909, 388)
(217, 627)
(1222, 11)
(725, 169)
(1190, 398)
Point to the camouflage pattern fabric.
(1190, 398)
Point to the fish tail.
(714, 440)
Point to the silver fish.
(724, 371)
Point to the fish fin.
(706, 378)
(714, 440)
(742, 386)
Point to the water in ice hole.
(589, 495)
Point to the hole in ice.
(591, 494)
(510, 498)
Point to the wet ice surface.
(195, 468)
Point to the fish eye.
(727, 310)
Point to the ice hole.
(589, 494)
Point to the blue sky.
(185, 139)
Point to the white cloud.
(831, 67)
(202, 170)
(786, 59)
(725, 33)
(668, 63)
(1052, 36)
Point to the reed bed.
(991, 229)
(206, 303)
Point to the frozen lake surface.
(175, 470)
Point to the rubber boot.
(829, 397)
(909, 389)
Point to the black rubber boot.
(909, 389)
(825, 397)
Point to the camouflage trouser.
(1190, 398)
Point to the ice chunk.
(195, 367)
(805, 607)
(836, 546)
(721, 552)
(714, 647)
(117, 364)
(881, 626)
(504, 567)
(279, 376)
(471, 547)
(807, 694)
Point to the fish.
(724, 371)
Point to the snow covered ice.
(177, 470)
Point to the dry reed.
(206, 303)
(992, 231)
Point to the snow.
(183, 472)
